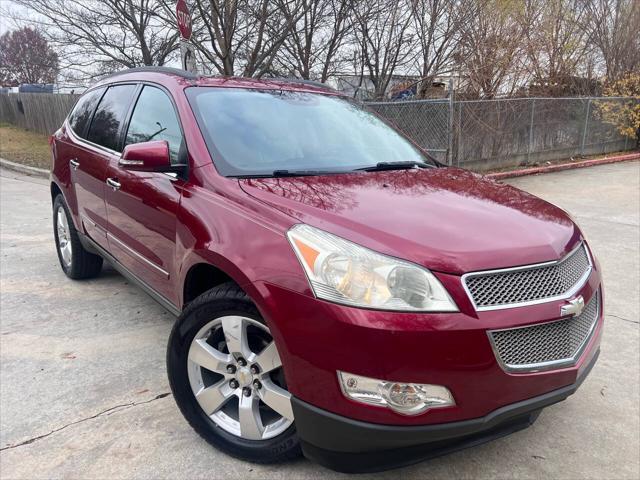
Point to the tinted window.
(109, 116)
(155, 119)
(255, 132)
(83, 111)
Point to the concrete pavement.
(84, 393)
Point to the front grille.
(533, 283)
(546, 345)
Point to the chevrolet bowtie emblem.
(573, 307)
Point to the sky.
(6, 24)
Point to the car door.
(88, 170)
(142, 206)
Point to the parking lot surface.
(84, 393)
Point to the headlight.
(343, 272)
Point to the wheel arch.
(206, 273)
(200, 277)
(56, 190)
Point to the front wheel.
(226, 376)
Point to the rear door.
(142, 206)
(88, 172)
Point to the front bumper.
(316, 339)
(348, 445)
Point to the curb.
(564, 166)
(24, 169)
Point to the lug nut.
(233, 383)
(257, 384)
(246, 391)
(242, 362)
(254, 369)
(231, 368)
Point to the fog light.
(405, 398)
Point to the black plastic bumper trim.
(348, 445)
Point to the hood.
(446, 219)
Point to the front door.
(142, 206)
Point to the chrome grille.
(508, 287)
(547, 345)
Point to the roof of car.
(193, 79)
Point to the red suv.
(338, 292)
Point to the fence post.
(530, 144)
(450, 147)
(586, 126)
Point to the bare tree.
(243, 37)
(383, 41)
(489, 50)
(105, 36)
(556, 44)
(614, 27)
(499, 46)
(314, 47)
(437, 25)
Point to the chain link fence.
(489, 134)
(426, 122)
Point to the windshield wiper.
(298, 173)
(394, 166)
(285, 173)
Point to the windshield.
(259, 132)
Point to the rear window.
(80, 117)
(105, 127)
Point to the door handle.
(74, 163)
(113, 183)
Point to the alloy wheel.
(236, 376)
(64, 238)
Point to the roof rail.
(301, 81)
(154, 69)
(193, 76)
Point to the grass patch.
(23, 146)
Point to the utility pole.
(450, 147)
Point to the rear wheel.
(226, 376)
(76, 262)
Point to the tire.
(76, 262)
(206, 321)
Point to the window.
(83, 111)
(155, 119)
(256, 132)
(105, 127)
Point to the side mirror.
(151, 156)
